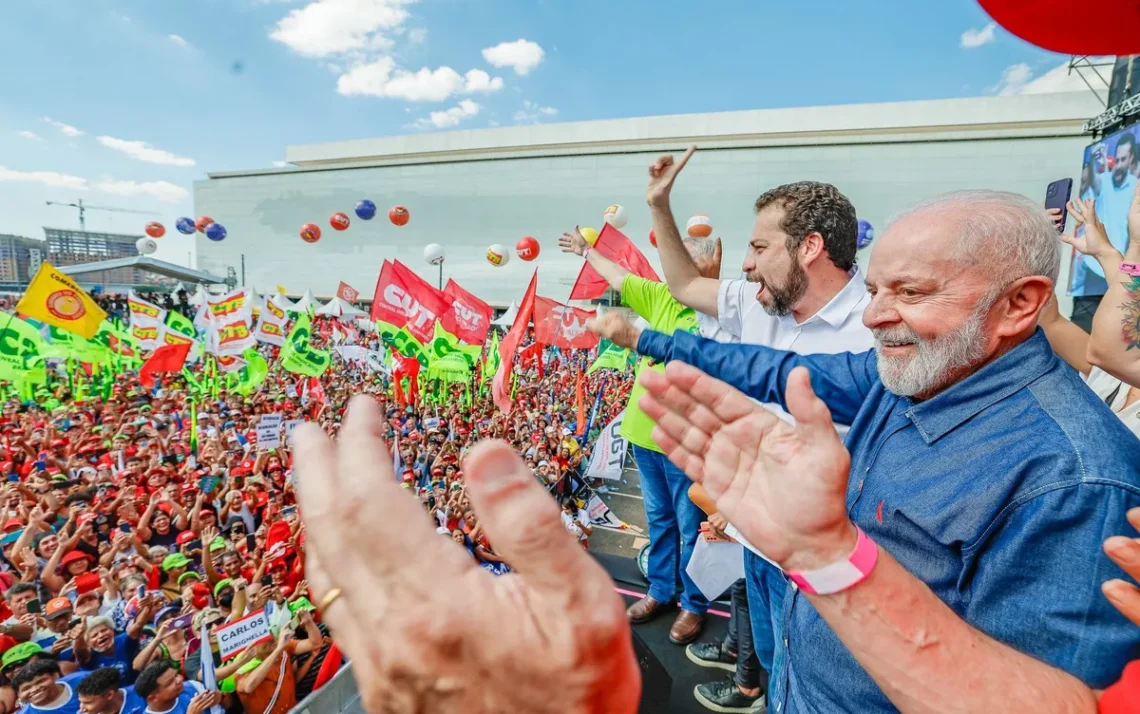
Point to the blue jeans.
(674, 522)
(766, 587)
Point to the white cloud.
(328, 27)
(531, 112)
(521, 55)
(450, 117)
(976, 37)
(1021, 79)
(142, 151)
(178, 40)
(29, 135)
(383, 78)
(65, 129)
(417, 36)
(162, 190)
(47, 178)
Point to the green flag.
(253, 373)
(491, 363)
(450, 369)
(402, 341)
(298, 357)
(180, 323)
(19, 343)
(610, 356)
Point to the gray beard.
(933, 360)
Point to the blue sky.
(126, 102)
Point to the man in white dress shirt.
(803, 293)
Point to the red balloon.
(310, 233)
(339, 221)
(652, 238)
(202, 222)
(154, 229)
(527, 248)
(399, 215)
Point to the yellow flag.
(281, 290)
(56, 299)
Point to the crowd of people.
(141, 520)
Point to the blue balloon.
(185, 226)
(365, 210)
(866, 234)
(216, 231)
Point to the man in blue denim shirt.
(979, 462)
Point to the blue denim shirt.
(997, 493)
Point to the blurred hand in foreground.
(429, 631)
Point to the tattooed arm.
(1115, 342)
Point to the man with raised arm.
(803, 293)
(674, 520)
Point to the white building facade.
(469, 189)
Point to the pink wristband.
(842, 574)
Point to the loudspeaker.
(656, 684)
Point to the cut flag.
(501, 386)
(168, 358)
(55, 299)
(612, 244)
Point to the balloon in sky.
(339, 221)
(310, 233)
(202, 222)
(866, 234)
(399, 215)
(615, 216)
(433, 254)
(154, 229)
(365, 210)
(185, 226)
(146, 246)
(498, 256)
(527, 248)
(699, 226)
(216, 231)
(589, 234)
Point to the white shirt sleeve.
(730, 306)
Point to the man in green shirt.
(674, 520)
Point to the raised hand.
(573, 242)
(782, 486)
(616, 329)
(662, 173)
(552, 637)
(1094, 242)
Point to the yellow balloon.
(589, 234)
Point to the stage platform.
(686, 675)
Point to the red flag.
(561, 325)
(469, 318)
(614, 245)
(580, 396)
(403, 298)
(168, 358)
(501, 385)
(407, 367)
(346, 292)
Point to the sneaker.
(725, 696)
(711, 654)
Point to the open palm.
(426, 628)
(782, 486)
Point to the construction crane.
(83, 208)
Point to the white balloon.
(433, 253)
(498, 255)
(146, 246)
(616, 216)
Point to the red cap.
(185, 537)
(73, 555)
(85, 518)
(13, 524)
